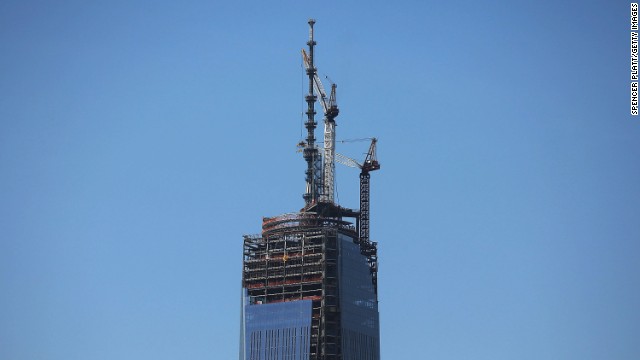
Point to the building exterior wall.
(309, 293)
(278, 331)
(358, 305)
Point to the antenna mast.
(310, 152)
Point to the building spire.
(310, 153)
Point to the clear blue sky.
(140, 140)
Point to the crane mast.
(370, 164)
(329, 165)
(331, 111)
(367, 247)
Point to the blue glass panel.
(358, 304)
(279, 331)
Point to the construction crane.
(370, 164)
(331, 111)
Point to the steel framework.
(296, 258)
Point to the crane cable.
(354, 140)
(301, 100)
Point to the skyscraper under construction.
(309, 280)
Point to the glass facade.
(358, 305)
(277, 331)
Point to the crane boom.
(330, 113)
(317, 84)
(347, 161)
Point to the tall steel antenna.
(310, 152)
